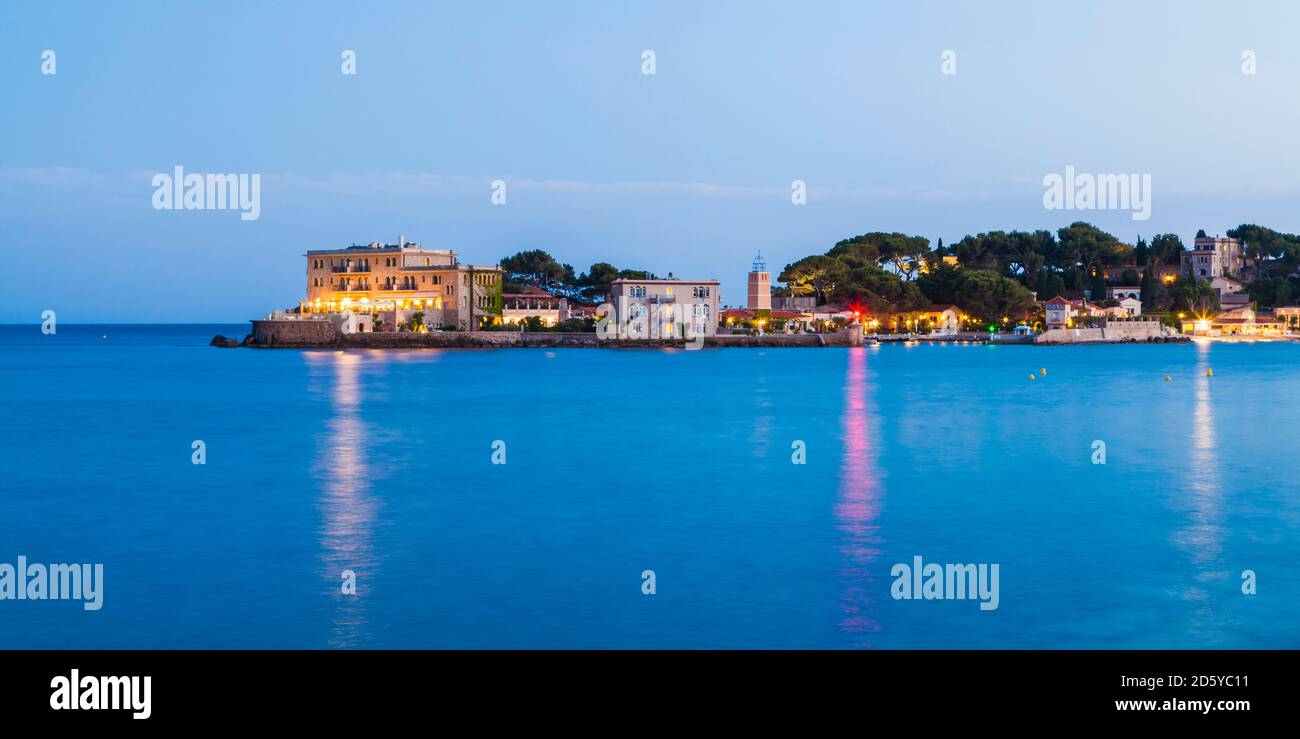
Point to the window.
(638, 291)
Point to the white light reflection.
(347, 507)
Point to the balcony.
(353, 288)
(351, 269)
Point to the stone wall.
(290, 332)
(1112, 332)
(496, 339)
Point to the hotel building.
(665, 309)
(403, 279)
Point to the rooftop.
(377, 247)
(669, 281)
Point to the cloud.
(396, 185)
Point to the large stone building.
(1214, 256)
(665, 309)
(399, 280)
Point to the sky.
(688, 170)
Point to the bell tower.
(760, 285)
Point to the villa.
(1231, 292)
(1214, 256)
(1061, 312)
(665, 309)
(1129, 307)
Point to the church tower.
(760, 285)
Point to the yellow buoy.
(1209, 373)
(1031, 377)
(1043, 372)
(1167, 378)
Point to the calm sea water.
(623, 461)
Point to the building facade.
(1243, 321)
(1289, 316)
(1059, 312)
(794, 302)
(536, 303)
(665, 309)
(943, 319)
(401, 280)
(1214, 256)
(1125, 291)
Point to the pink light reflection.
(858, 504)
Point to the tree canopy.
(537, 268)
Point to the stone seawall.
(295, 334)
(1118, 332)
(308, 334)
(505, 339)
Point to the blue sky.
(688, 170)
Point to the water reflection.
(761, 434)
(858, 505)
(347, 506)
(1202, 536)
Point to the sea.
(1127, 496)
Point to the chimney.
(401, 241)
